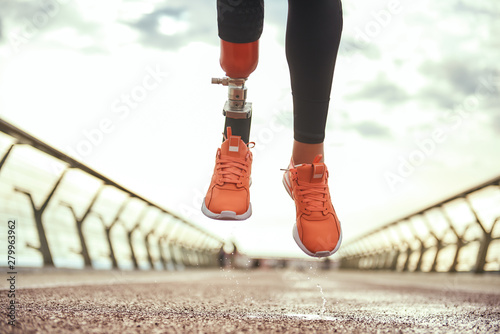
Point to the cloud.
(459, 74)
(463, 51)
(50, 23)
(484, 8)
(195, 21)
(351, 46)
(496, 124)
(381, 89)
(447, 67)
(372, 129)
(450, 83)
(165, 27)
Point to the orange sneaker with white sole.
(317, 230)
(228, 197)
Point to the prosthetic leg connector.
(236, 106)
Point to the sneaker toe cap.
(236, 201)
(319, 235)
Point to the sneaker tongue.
(234, 147)
(313, 173)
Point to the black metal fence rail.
(69, 215)
(461, 233)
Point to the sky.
(124, 87)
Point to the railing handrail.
(25, 138)
(462, 194)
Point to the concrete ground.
(249, 301)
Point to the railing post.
(397, 251)
(148, 235)
(108, 228)
(198, 245)
(173, 254)
(460, 241)
(439, 241)
(409, 249)
(484, 241)
(180, 247)
(38, 212)
(359, 254)
(366, 257)
(484, 245)
(200, 250)
(79, 226)
(6, 155)
(205, 251)
(163, 257)
(131, 232)
(184, 257)
(421, 250)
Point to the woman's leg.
(313, 35)
(312, 42)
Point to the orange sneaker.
(228, 196)
(317, 231)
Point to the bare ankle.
(305, 153)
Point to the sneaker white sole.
(226, 215)
(295, 232)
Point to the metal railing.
(69, 215)
(460, 233)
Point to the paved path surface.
(241, 301)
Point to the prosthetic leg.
(240, 27)
(237, 111)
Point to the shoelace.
(313, 195)
(232, 169)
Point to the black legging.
(313, 35)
